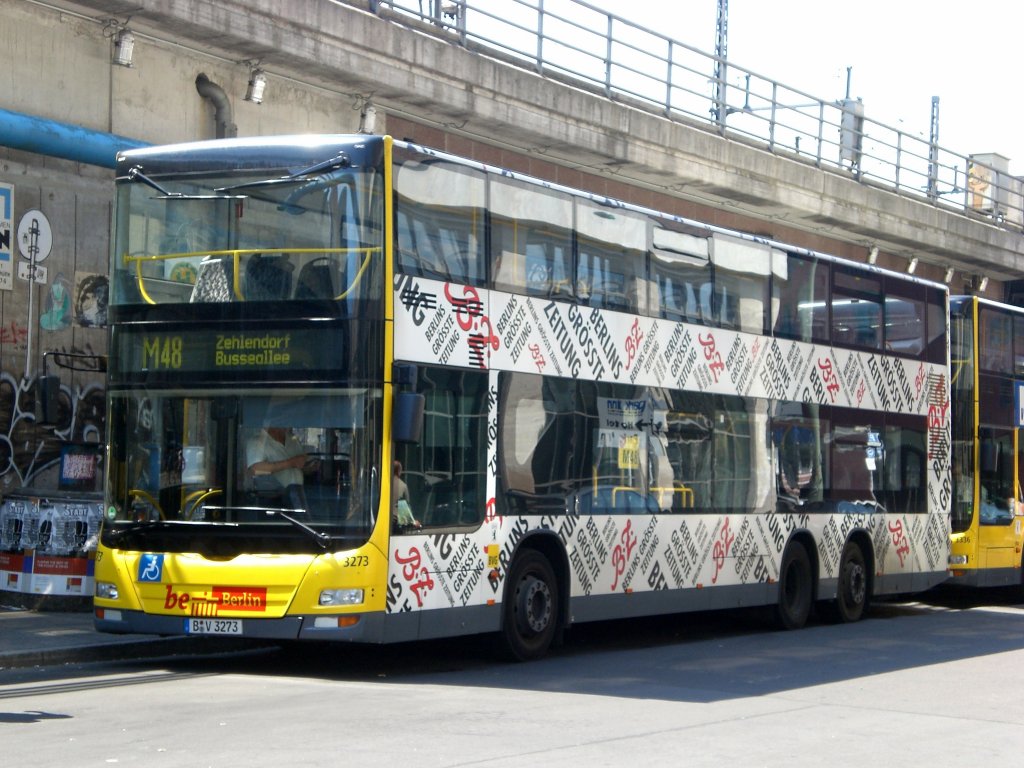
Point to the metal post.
(33, 251)
(608, 60)
(933, 152)
(821, 132)
(967, 184)
(460, 21)
(540, 35)
(899, 160)
(668, 82)
(718, 111)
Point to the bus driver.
(274, 455)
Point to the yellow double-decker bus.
(365, 391)
(987, 379)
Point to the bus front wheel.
(795, 588)
(530, 612)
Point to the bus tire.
(1020, 587)
(530, 611)
(852, 596)
(795, 588)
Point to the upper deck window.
(245, 235)
(741, 283)
(612, 245)
(800, 299)
(680, 273)
(1018, 346)
(995, 341)
(857, 300)
(439, 219)
(531, 239)
(546, 241)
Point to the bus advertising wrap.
(495, 331)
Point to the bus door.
(1016, 506)
(999, 526)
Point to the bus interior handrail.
(236, 254)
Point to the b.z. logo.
(151, 568)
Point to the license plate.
(213, 626)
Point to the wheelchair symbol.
(151, 568)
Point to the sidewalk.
(31, 638)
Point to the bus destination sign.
(234, 351)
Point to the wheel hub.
(856, 583)
(534, 605)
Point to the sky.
(902, 53)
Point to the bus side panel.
(626, 565)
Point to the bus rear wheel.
(530, 612)
(795, 588)
(852, 596)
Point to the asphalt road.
(916, 684)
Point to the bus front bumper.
(364, 628)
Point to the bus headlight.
(958, 559)
(106, 590)
(341, 597)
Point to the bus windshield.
(262, 228)
(245, 389)
(256, 459)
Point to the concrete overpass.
(415, 72)
(325, 60)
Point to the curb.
(126, 651)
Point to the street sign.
(24, 269)
(34, 236)
(6, 233)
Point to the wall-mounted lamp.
(124, 47)
(367, 118)
(873, 254)
(912, 266)
(257, 84)
(982, 284)
(949, 276)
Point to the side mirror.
(407, 418)
(989, 456)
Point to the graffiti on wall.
(91, 296)
(56, 314)
(27, 447)
(15, 335)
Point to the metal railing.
(575, 42)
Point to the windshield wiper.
(336, 163)
(339, 161)
(321, 538)
(148, 526)
(135, 174)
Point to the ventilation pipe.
(226, 128)
(63, 140)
